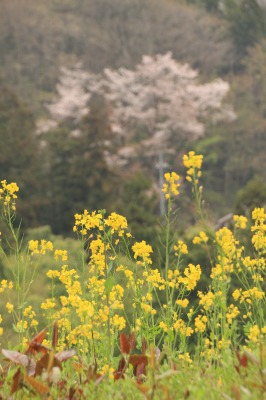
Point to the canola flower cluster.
(8, 194)
(171, 185)
(110, 292)
(193, 164)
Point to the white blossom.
(160, 96)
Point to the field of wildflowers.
(115, 326)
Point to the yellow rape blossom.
(117, 223)
(206, 300)
(163, 326)
(5, 285)
(181, 327)
(48, 304)
(8, 193)
(240, 221)
(193, 164)
(21, 326)
(98, 259)
(170, 188)
(185, 357)
(60, 253)
(258, 214)
(9, 307)
(201, 238)
(181, 247)
(142, 250)
(52, 273)
(227, 242)
(236, 294)
(232, 313)
(254, 333)
(154, 277)
(182, 302)
(108, 371)
(40, 248)
(118, 322)
(192, 275)
(86, 221)
(259, 227)
(200, 323)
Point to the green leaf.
(109, 283)
(110, 266)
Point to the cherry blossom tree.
(72, 94)
(161, 97)
(166, 98)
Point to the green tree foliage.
(209, 5)
(246, 141)
(19, 151)
(252, 195)
(247, 23)
(77, 175)
(139, 204)
(37, 37)
(234, 155)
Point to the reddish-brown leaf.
(47, 362)
(136, 360)
(72, 392)
(144, 345)
(124, 344)
(65, 355)
(35, 341)
(78, 367)
(20, 359)
(37, 348)
(236, 392)
(17, 378)
(132, 341)
(119, 373)
(166, 392)
(243, 360)
(143, 388)
(256, 385)
(92, 374)
(39, 387)
(55, 335)
(251, 357)
(121, 364)
(39, 338)
(140, 370)
(237, 369)
(76, 393)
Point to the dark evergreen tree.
(77, 175)
(19, 152)
(252, 195)
(139, 204)
(247, 23)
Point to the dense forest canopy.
(81, 161)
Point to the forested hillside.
(95, 94)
